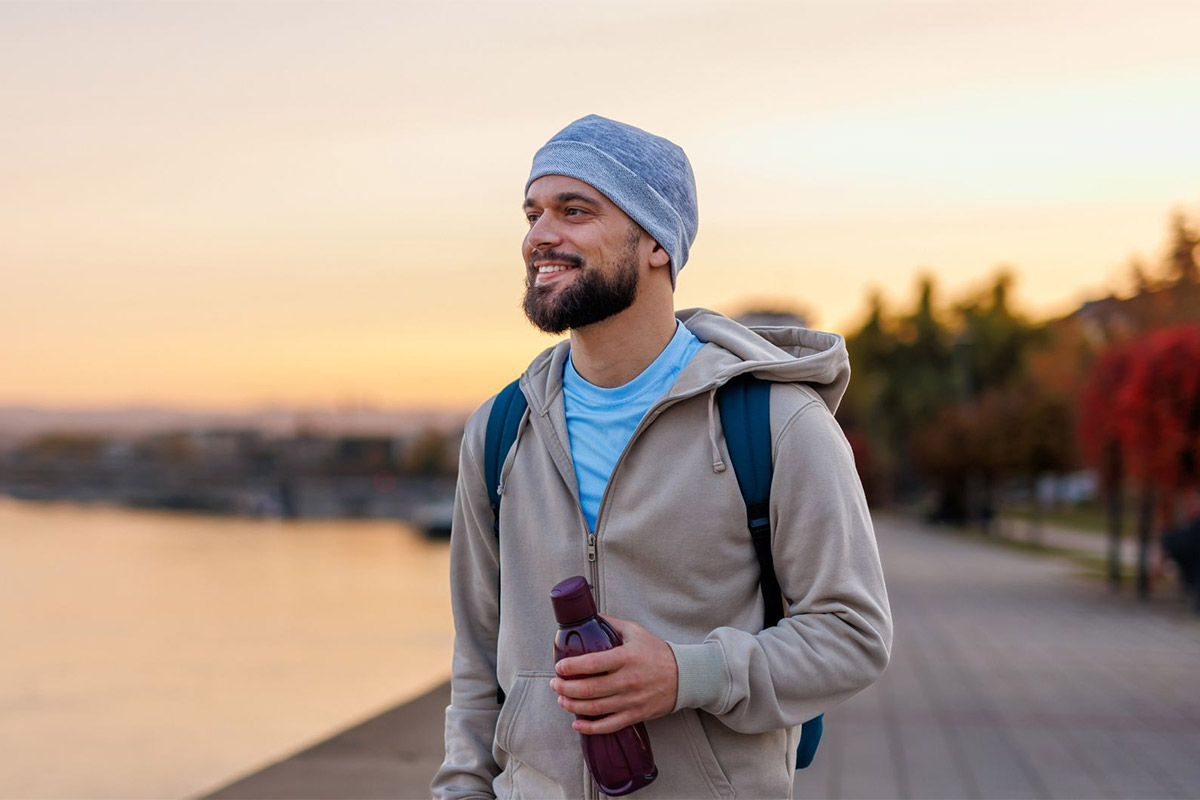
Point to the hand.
(634, 682)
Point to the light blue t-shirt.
(601, 421)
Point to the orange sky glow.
(229, 205)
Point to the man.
(620, 473)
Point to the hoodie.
(672, 552)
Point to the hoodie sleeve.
(469, 769)
(836, 637)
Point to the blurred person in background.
(620, 472)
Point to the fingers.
(635, 681)
(621, 707)
(610, 724)
(601, 707)
(628, 686)
(593, 688)
(606, 660)
(591, 663)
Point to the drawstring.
(718, 463)
(506, 467)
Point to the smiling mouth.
(548, 272)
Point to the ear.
(659, 257)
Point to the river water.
(153, 655)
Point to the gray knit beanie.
(646, 176)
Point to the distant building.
(1113, 319)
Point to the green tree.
(920, 382)
(903, 368)
(1181, 263)
(995, 341)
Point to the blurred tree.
(904, 370)
(1045, 439)
(1140, 279)
(1162, 431)
(1181, 263)
(997, 339)
(945, 450)
(909, 368)
(924, 356)
(969, 448)
(1142, 418)
(1100, 439)
(979, 397)
(862, 411)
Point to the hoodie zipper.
(651, 415)
(592, 788)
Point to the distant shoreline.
(18, 422)
(117, 504)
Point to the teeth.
(550, 269)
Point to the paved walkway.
(1011, 677)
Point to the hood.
(776, 353)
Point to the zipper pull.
(591, 547)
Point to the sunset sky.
(224, 205)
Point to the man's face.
(581, 255)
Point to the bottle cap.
(572, 600)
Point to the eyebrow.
(565, 197)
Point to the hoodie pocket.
(540, 757)
(705, 757)
(687, 763)
(530, 734)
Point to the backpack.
(745, 417)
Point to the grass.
(1086, 519)
(1092, 565)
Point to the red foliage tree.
(1100, 439)
(1100, 412)
(1160, 426)
(1141, 416)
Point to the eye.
(531, 218)
(575, 212)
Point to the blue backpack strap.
(503, 422)
(745, 404)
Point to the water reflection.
(155, 655)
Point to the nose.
(544, 234)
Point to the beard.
(592, 296)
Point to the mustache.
(554, 255)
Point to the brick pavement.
(1011, 677)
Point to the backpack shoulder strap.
(503, 422)
(745, 404)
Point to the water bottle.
(620, 762)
